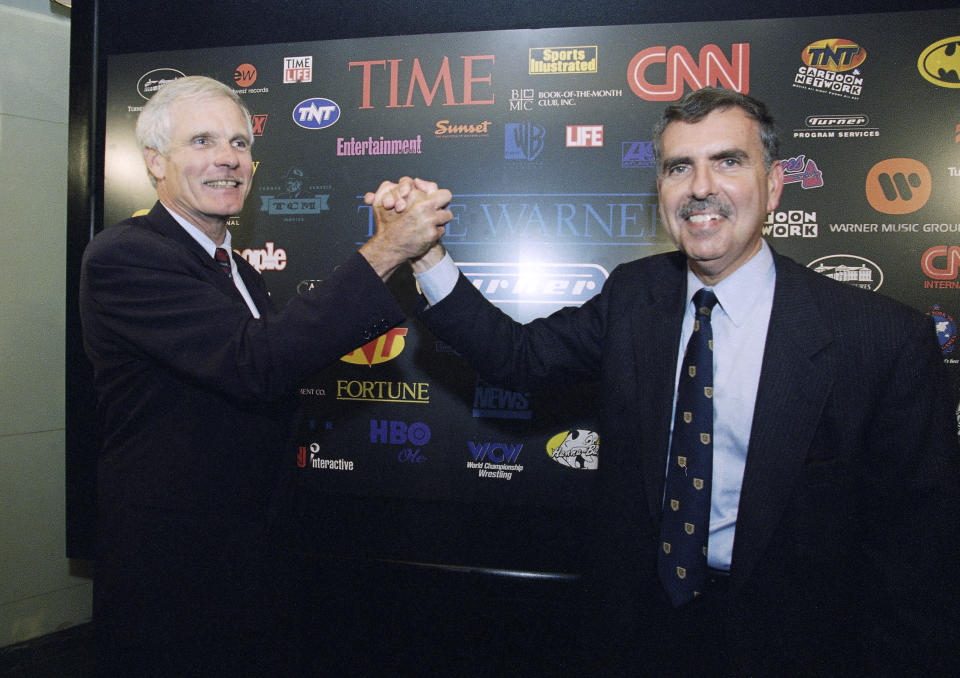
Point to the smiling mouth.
(222, 183)
(704, 218)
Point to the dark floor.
(65, 654)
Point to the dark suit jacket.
(842, 558)
(195, 399)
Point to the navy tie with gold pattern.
(223, 258)
(685, 522)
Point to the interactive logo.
(833, 54)
(382, 349)
(259, 122)
(939, 63)
(577, 448)
(584, 136)
(476, 81)
(297, 69)
(498, 403)
(801, 170)
(791, 224)
(851, 269)
(151, 81)
(266, 259)
(898, 186)
(245, 75)
(941, 262)
(523, 140)
(712, 68)
(566, 284)
(316, 113)
(317, 461)
(636, 154)
(946, 329)
(554, 60)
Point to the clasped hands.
(409, 215)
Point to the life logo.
(316, 113)
(898, 185)
(384, 348)
(939, 63)
(712, 68)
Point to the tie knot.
(704, 301)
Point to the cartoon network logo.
(791, 224)
(316, 113)
(384, 348)
(711, 68)
(566, 284)
(851, 269)
(577, 448)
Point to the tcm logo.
(522, 141)
(833, 54)
(382, 349)
(939, 63)
(386, 75)
(259, 122)
(713, 68)
(898, 186)
(584, 136)
(245, 75)
(851, 269)
(941, 262)
(151, 82)
(566, 284)
(297, 69)
(497, 453)
(316, 113)
(266, 259)
(577, 448)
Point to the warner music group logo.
(898, 185)
(831, 66)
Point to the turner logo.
(898, 186)
(939, 63)
(566, 284)
(833, 54)
(384, 348)
(712, 68)
(577, 448)
(316, 113)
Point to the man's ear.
(774, 185)
(156, 163)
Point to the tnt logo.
(389, 432)
(898, 186)
(584, 136)
(316, 113)
(941, 262)
(382, 349)
(259, 122)
(245, 75)
(833, 54)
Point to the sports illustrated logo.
(523, 141)
(850, 269)
(636, 154)
(898, 186)
(791, 224)
(495, 460)
(259, 122)
(417, 392)
(413, 436)
(476, 81)
(712, 68)
(316, 113)
(584, 136)
(293, 197)
(245, 75)
(576, 448)
(564, 284)
(384, 348)
(939, 63)
(297, 69)
(266, 259)
(151, 81)
(521, 100)
(317, 461)
(836, 127)
(493, 402)
(554, 60)
(803, 171)
(826, 66)
(946, 330)
(446, 129)
(941, 263)
(380, 146)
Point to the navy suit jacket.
(842, 557)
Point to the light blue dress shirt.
(739, 324)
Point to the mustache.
(709, 204)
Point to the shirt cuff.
(439, 280)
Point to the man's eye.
(201, 141)
(677, 169)
(240, 143)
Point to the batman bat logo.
(939, 63)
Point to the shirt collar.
(202, 239)
(737, 294)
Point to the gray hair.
(697, 105)
(154, 124)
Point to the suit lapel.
(793, 387)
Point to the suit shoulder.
(655, 267)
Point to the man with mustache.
(195, 371)
(806, 526)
